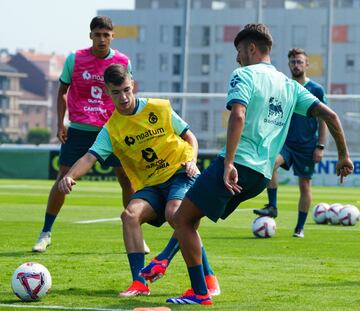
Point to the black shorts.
(211, 196)
(77, 144)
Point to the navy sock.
(137, 261)
(301, 220)
(49, 221)
(169, 251)
(206, 265)
(272, 196)
(197, 278)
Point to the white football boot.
(43, 241)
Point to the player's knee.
(129, 217)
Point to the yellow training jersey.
(146, 144)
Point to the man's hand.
(231, 178)
(65, 185)
(190, 168)
(344, 167)
(318, 155)
(62, 134)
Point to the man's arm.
(80, 168)
(234, 131)
(190, 167)
(344, 165)
(319, 150)
(61, 109)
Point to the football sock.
(137, 262)
(272, 196)
(197, 278)
(206, 265)
(301, 220)
(170, 250)
(49, 221)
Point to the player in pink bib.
(82, 93)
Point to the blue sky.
(50, 25)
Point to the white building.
(152, 36)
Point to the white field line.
(93, 221)
(58, 307)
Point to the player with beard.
(304, 146)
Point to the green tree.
(38, 136)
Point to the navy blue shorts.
(157, 196)
(300, 159)
(211, 196)
(77, 144)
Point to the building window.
(219, 62)
(142, 34)
(219, 33)
(204, 87)
(163, 62)
(175, 87)
(350, 62)
(164, 34)
(204, 120)
(154, 4)
(176, 64)
(205, 64)
(177, 36)
(140, 61)
(299, 34)
(205, 39)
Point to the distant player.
(158, 152)
(82, 93)
(262, 101)
(304, 146)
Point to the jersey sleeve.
(102, 147)
(305, 100)
(68, 69)
(178, 124)
(240, 88)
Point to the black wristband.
(320, 146)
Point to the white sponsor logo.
(86, 75)
(94, 109)
(96, 92)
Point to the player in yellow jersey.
(158, 153)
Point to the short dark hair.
(101, 22)
(255, 33)
(116, 74)
(296, 51)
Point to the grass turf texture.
(89, 266)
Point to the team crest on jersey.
(275, 108)
(235, 80)
(275, 113)
(153, 118)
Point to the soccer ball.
(319, 212)
(349, 215)
(264, 227)
(31, 281)
(332, 214)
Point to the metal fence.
(207, 116)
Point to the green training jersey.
(270, 98)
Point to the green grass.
(89, 267)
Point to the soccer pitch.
(89, 266)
